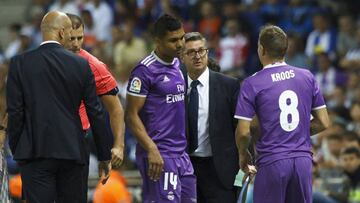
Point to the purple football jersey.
(282, 97)
(163, 113)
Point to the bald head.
(56, 26)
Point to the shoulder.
(148, 60)
(224, 77)
(76, 58)
(72, 59)
(64, 54)
(303, 72)
(27, 54)
(90, 58)
(94, 62)
(225, 80)
(146, 65)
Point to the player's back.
(53, 81)
(284, 98)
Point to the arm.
(116, 113)
(3, 132)
(242, 136)
(15, 104)
(245, 112)
(320, 122)
(97, 120)
(133, 121)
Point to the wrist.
(242, 152)
(118, 146)
(151, 148)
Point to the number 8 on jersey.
(288, 103)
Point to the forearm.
(316, 127)
(118, 128)
(2, 138)
(242, 141)
(242, 136)
(320, 122)
(138, 129)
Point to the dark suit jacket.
(223, 92)
(44, 90)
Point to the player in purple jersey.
(155, 113)
(283, 97)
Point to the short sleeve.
(139, 82)
(317, 98)
(104, 80)
(245, 107)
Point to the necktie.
(193, 116)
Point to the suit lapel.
(212, 102)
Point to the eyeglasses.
(193, 53)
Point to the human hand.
(104, 170)
(156, 164)
(246, 166)
(117, 156)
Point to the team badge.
(170, 196)
(135, 85)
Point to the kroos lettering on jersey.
(280, 76)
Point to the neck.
(51, 37)
(194, 75)
(266, 62)
(164, 57)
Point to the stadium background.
(324, 36)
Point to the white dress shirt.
(49, 41)
(204, 147)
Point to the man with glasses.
(211, 101)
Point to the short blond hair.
(274, 41)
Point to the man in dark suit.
(211, 105)
(44, 90)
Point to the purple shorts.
(177, 182)
(284, 181)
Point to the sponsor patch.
(135, 85)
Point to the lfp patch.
(135, 85)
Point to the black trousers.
(209, 187)
(47, 180)
(85, 172)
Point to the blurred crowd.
(324, 37)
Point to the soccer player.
(283, 97)
(106, 89)
(155, 113)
